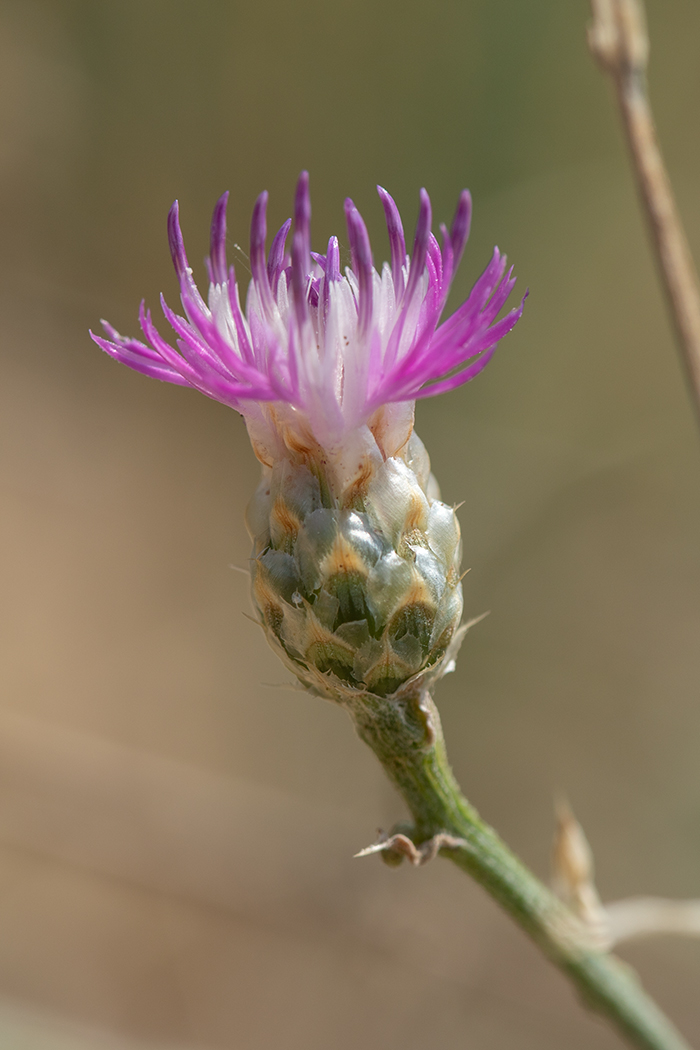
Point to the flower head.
(355, 563)
(323, 362)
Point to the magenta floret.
(315, 339)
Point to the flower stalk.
(407, 739)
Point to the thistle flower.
(355, 563)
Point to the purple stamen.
(461, 224)
(302, 220)
(331, 275)
(397, 242)
(276, 258)
(258, 266)
(361, 261)
(333, 260)
(217, 256)
(448, 263)
(300, 276)
(301, 248)
(177, 245)
(420, 245)
(192, 301)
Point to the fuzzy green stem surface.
(407, 739)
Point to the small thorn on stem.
(402, 846)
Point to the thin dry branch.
(618, 40)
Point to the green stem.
(407, 739)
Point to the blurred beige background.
(176, 826)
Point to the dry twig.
(618, 40)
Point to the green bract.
(360, 598)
